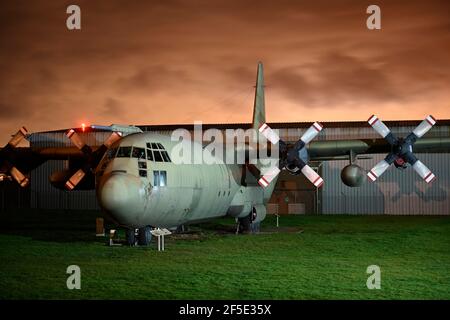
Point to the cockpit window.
(138, 153)
(124, 152)
(111, 153)
(157, 156)
(165, 156)
(156, 152)
(149, 155)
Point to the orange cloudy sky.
(153, 62)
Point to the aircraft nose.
(120, 196)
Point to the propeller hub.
(402, 151)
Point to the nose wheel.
(144, 236)
(247, 225)
(141, 236)
(130, 236)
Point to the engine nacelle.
(353, 175)
(58, 179)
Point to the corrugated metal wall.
(396, 192)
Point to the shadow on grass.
(51, 225)
(79, 226)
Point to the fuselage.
(141, 182)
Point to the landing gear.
(244, 224)
(247, 224)
(142, 237)
(145, 236)
(181, 229)
(130, 236)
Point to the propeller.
(92, 157)
(7, 159)
(402, 149)
(294, 157)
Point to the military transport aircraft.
(139, 184)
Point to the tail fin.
(259, 110)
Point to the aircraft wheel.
(145, 236)
(130, 236)
(245, 224)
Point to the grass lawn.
(327, 260)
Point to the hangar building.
(396, 192)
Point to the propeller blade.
(77, 141)
(98, 154)
(267, 132)
(115, 136)
(378, 170)
(21, 179)
(424, 126)
(93, 157)
(254, 170)
(382, 129)
(75, 179)
(19, 136)
(267, 178)
(312, 176)
(423, 171)
(4, 177)
(312, 132)
(379, 126)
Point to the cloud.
(151, 79)
(112, 106)
(169, 61)
(335, 80)
(11, 111)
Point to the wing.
(340, 149)
(401, 152)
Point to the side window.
(162, 178)
(154, 146)
(143, 173)
(156, 178)
(124, 152)
(138, 153)
(142, 165)
(159, 178)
